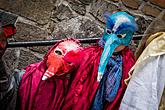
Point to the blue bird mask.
(119, 30)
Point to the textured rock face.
(78, 27)
(36, 10)
(134, 4)
(29, 32)
(149, 10)
(58, 19)
(160, 3)
(98, 8)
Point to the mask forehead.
(120, 21)
(67, 46)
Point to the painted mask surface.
(5, 32)
(119, 30)
(56, 63)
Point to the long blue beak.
(110, 45)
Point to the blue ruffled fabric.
(110, 82)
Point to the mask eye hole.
(108, 31)
(121, 35)
(58, 52)
(69, 63)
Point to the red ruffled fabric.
(84, 85)
(35, 94)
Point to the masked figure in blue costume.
(99, 81)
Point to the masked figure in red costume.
(99, 81)
(43, 85)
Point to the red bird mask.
(56, 63)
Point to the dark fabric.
(4, 78)
(109, 84)
(8, 90)
(9, 98)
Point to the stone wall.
(57, 19)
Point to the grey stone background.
(58, 19)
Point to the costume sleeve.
(8, 89)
